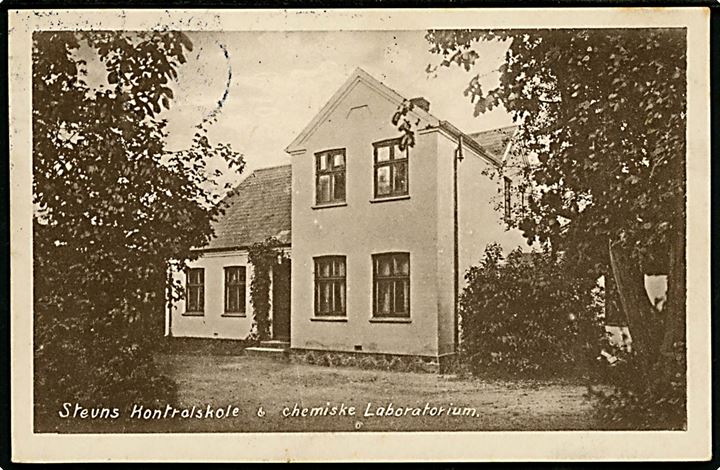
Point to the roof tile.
(495, 141)
(258, 209)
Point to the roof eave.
(221, 249)
(470, 142)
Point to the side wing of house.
(216, 302)
(483, 197)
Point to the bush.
(643, 400)
(95, 338)
(527, 315)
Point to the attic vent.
(421, 103)
(358, 112)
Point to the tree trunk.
(642, 319)
(675, 310)
(614, 314)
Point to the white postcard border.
(693, 444)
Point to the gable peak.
(358, 75)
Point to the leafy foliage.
(603, 113)
(525, 315)
(113, 212)
(262, 255)
(642, 400)
(404, 126)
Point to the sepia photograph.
(385, 231)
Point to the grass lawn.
(249, 383)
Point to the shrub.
(527, 315)
(88, 351)
(655, 399)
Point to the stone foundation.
(377, 361)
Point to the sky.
(275, 82)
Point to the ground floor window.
(195, 290)
(330, 286)
(391, 285)
(235, 290)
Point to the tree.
(114, 211)
(603, 112)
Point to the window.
(235, 290)
(391, 285)
(195, 290)
(506, 190)
(330, 286)
(330, 176)
(391, 169)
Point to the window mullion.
(332, 297)
(394, 298)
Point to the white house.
(380, 238)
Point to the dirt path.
(251, 383)
(344, 399)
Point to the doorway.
(281, 301)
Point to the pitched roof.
(359, 75)
(259, 208)
(496, 140)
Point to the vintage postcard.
(360, 235)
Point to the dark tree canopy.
(113, 209)
(603, 112)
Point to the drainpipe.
(457, 157)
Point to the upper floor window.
(330, 176)
(195, 290)
(330, 286)
(391, 285)
(235, 290)
(391, 169)
(507, 193)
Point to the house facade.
(377, 259)
(379, 237)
